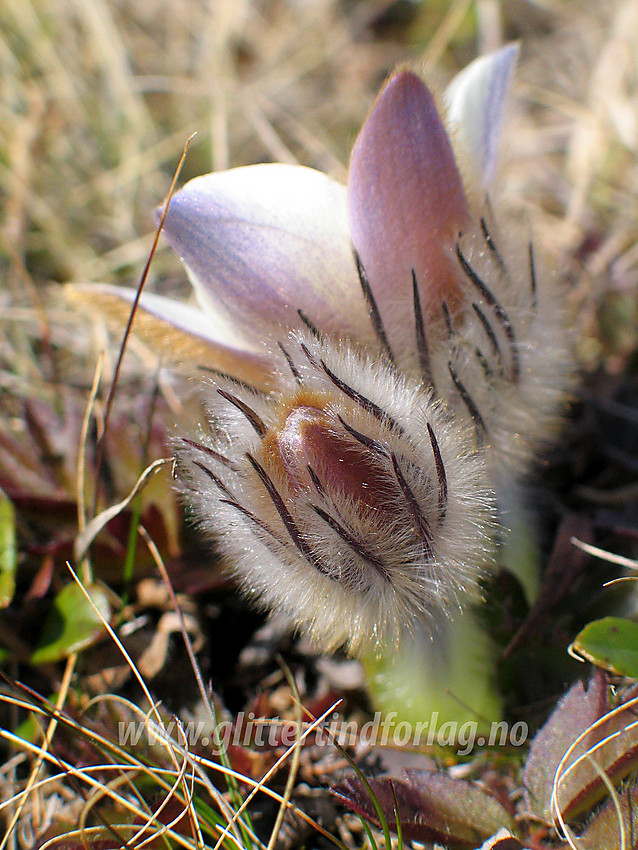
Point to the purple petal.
(406, 204)
(476, 100)
(265, 241)
(185, 333)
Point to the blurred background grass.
(98, 97)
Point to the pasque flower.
(381, 364)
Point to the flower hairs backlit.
(343, 497)
(383, 365)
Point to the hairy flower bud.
(346, 498)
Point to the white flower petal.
(189, 319)
(185, 333)
(476, 100)
(264, 241)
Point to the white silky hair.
(522, 410)
(501, 360)
(350, 571)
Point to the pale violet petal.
(265, 241)
(407, 205)
(183, 333)
(191, 320)
(476, 100)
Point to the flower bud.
(345, 498)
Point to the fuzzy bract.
(343, 497)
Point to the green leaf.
(72, 623)
(610, 643)
(8, 557)
(29, 730)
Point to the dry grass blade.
(127, 767)
(172, 748)
(152, 817)
(81, 468)
(610, 557)
(261, 785)
(294, 766)
(129, 326)
(191, 655)
(93, 528)
(441, 39)
(184, 631)
(43, 751)
(120, 646)
(155, 732)
(81, 473)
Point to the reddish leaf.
(575, 713)
(566, 563)
(503, 840)
(432, 807)
(604, 828)
(41, 581)
(21, 469)
(578, 790)
(57, 438)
